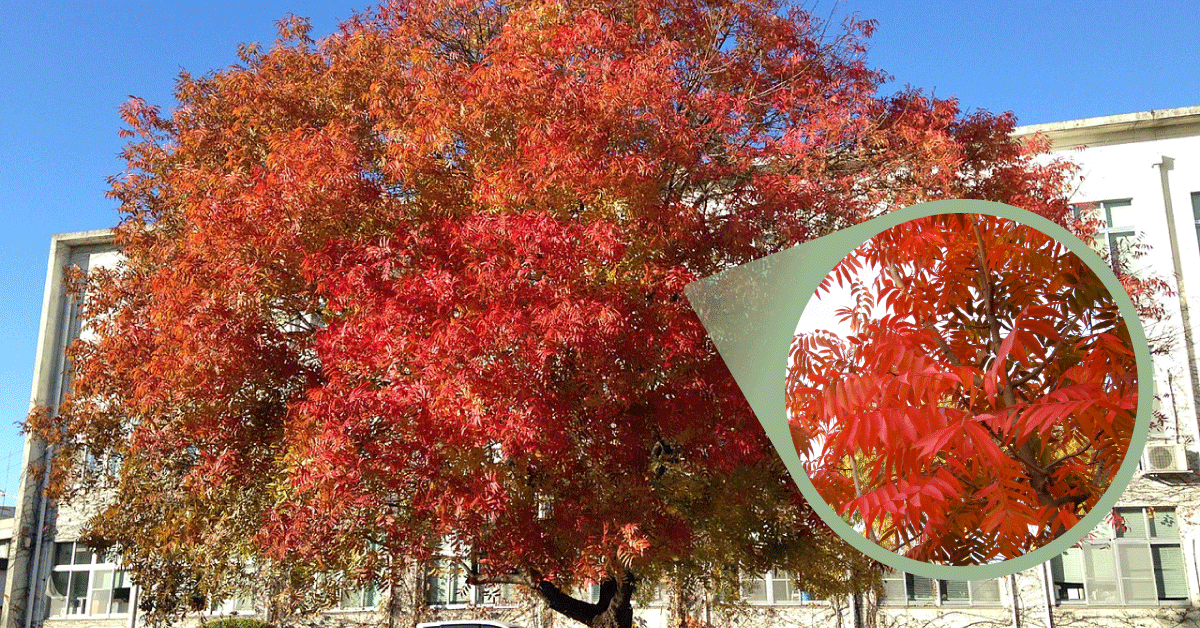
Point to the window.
(1135, 559)
(86, 582)
(591, 593)
(498, 595)
(239, 605)
(359, 598)
(3, 564)
(977, 592)
(774, 587)
(661, 596)
(1116, 237)
(446, 585)
(910, 589)
(1196, 213)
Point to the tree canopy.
(984, 398)
(421, 280)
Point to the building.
(1140, 175)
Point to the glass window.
(784, 589)
(240, 605)
(1169, 577)
(894, 588)
(662, 593)
(920, 588)
(359, 598)
(774, 587)
(1163, 524)
(1196, 213)
(985, 592)
(1132, 524)
(754, 589)
(905, 588)
(1117, 237)
(955, 591)
(500, 595)
(1136, 560)
(1067, 572)
(86, 583)
(446, 585)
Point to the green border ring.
(751, 311)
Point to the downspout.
(35, 564)
(1195, 549)
(133, 605)
(33, 597)
(1164, 167)
(1012, 588)
(1046, 590)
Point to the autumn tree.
(983, 399)
(420, 282)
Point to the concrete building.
(1140, 175)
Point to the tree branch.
(944, 346)
(1039, 368)
(1067, 457)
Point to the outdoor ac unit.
(1164, 458)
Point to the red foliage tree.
(421, 280)
(984, 400)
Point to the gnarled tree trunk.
(613, 610)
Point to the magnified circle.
(962, 389)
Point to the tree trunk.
(613, 610)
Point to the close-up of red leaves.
(983, 399)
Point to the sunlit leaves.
(423, 278)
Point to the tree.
(421, 280)
(984, 399)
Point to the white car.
(466, 623)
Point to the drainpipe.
(133, 605)
(1164, 167)
(32, 596)
(34, 593)
(1012, 588)
(1045, 572)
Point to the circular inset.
(971, 394)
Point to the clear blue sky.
(65, 69)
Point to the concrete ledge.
(1120, 129)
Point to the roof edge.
(1123, 128)
(84, 238)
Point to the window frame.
(475, 595)
(100, 561)
(364, 592)
(236, 606)
(767, 581)
(938, 592)
(1115, 541)
(1196, 214)
(1107, 235)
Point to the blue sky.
(65, 69)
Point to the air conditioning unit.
(1165, 458)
